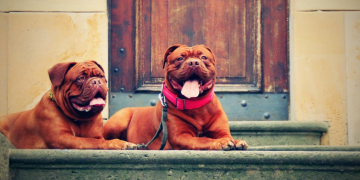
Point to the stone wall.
(324, 66)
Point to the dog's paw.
(117, 144)
(241, 145)
(224, 144)
(131, 146)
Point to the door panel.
(159, 37)
(227, 27)
(206, 22)
(122, 44)
(275, 46)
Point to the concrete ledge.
(20, 158)
(5, 147)
(272, 133)
(283, 126)
(107, 164)
(305, 148)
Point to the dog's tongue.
(97, 102)
(190, 88)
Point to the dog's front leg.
(225, 134)
(87, 135)
(185, 136)
(68, 141)
(219, 129)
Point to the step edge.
(36, 157)
(284, 126)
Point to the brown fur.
(58, 124)
(204, 128)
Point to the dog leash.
(162, 126)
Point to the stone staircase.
(279, 150)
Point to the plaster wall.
(3, 63)
(324, 64)
(352, 46)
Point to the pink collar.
(182, 104)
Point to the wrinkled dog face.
(190, 70)
(82, 93)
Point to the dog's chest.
(74, 130)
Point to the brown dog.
(196, 121)
(68, 116)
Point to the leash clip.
(162, 99)
(142, 146)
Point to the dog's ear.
(169, 51)
(98, 65)
(57, 72)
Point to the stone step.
(289, 155)
(302, 162)
(264, 133)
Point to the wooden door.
(236, 31)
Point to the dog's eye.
(180, 59)
(203, 57)
(82, 78)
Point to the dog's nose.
(194, 62)
(96, 82)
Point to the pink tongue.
(97, 102)
(190, 89)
